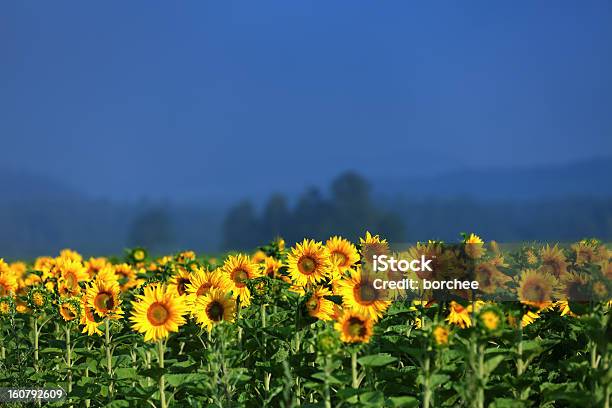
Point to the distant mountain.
(588, 178)
(20, 186)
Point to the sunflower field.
(289, 326)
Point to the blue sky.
(121, 99)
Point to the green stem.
(36, 343)
(481, 379)
(426, 384)
(606, 364)
(69, 360)
(162, 380)
(148, 364)
(263, 315)
(238, 320)
(267, 376)
(327, 394)
(109, 356)
(355, 379)
(87, 401)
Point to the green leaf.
(125, 372)
(491, 364)
(154, 373)
(372, 398)
(176, 380)
(330, 379)
(507, 403)
(404, 402)
(438, 379)
(376, 360)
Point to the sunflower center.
(139, 255)
(203, 289)
(365, 294)
(239, 277)
(3, 290)
(490, 320)
(214, 311)
(307, 265)
(536, 293)
(356, 327)
(70, 279)
(68, 313)
(441, 335)
(552, 267)
(157, 314)
(181, 287)
(38, 299)
(312, 304)
(104, 301)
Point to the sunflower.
(126, 276)
(532, 259)
(70, 309)
(138, 254)
(442, 259)
(529, 318)
(343, 253)
(575, 287)
(19, 269)
(43, 263)
(7, 306)
(553, 261)
(372, 245)
(37, 298)
(606, 269)
(600, 289)
(186, 256)
(318, 306)
(8, 283)
(358, 293)
(459, 315)
(586, 251)
(103, 298)
(63, 289)
(94, 265)
(214, 307)
(70, 255)
(202, 281)
(89, 320)
(354, 327)
(280, 243)
(440, 335)
(490, 318)
(259, 256)
(179, 281)
(474, 246)
(536, 288)
(371, 239)
(21, 307)
(309, 263)
(239, 269)
(31, 279)
(107, 274)
(271, 266)
(564, 308)
(489, 278)
(71, 271)
(158, 312)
